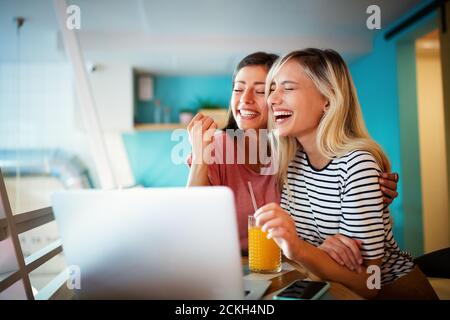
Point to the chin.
(283, 132)
(245, 125)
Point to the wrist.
(299, 250)
(197, 161)
(200, 165)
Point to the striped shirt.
(345, 198)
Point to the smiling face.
(295, 101)
(248, 102)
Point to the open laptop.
(168, 243)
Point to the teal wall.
(386, 83)
(150, 157)
(375, 77)
(149, 152)
(184, 92)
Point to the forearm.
(198, 175)
(322, 265)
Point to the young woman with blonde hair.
(329, 169)
(248, 111)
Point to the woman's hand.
(388, 182)
(344, 250)
(280, 227)
(201, 134)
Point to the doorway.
(432, 142)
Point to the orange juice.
(264, 255)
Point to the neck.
(309, 145)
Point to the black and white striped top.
(344, 197)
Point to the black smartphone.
(303, 290)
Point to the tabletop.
(296, 271)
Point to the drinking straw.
(252, 195)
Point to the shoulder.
(361, 181)
(358, 160)
(299, 159)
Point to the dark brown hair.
(255, 59)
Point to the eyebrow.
(243, 82)
(289, 82)
(285, 82)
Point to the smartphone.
(303, 290)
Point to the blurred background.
(97, 107)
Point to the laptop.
(155, 243)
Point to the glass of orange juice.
(264, 255)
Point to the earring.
(326, 108)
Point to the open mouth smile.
(282, 116)
(248, 114)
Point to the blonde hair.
(341, 129)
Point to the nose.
(247, 96)
(274, 98)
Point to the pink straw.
(252, 195)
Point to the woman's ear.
(326, 106)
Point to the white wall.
(432, 150)
(112, 87)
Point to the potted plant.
(214, 110)
(186, 115)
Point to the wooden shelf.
(159, 126)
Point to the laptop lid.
(161, 243)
